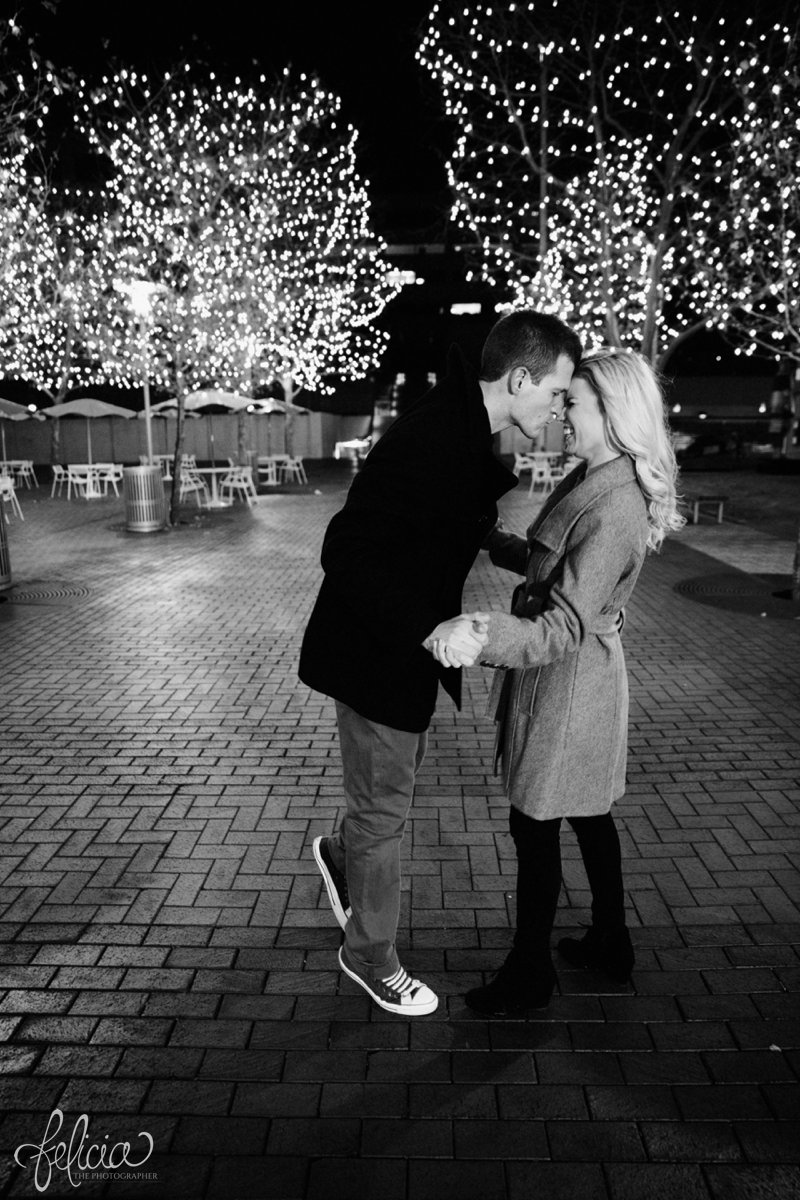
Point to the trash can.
(5, 560)
(145, 507)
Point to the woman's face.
(584, 427)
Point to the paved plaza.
(169, 958)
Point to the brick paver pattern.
(169, 956)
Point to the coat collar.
(575, 494)
(478, 456)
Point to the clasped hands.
(459, 641)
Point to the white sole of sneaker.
(402, 1010)
(333, 896)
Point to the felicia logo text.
(77, 1155)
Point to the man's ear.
(516, 379)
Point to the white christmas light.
(606, 218)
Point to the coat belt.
(500, 693)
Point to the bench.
(695, 502)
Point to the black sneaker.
(335, 881)
(399, 993)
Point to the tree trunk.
(544, 137)
(174, 502)
(793, 415)
(241, 438)
(288, 395)
(60, 395)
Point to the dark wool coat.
(398, 553)
(563, 707)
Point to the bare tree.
(28, 84)
(590, 143)
(762, 273)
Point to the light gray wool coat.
(562, 707)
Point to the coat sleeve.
(507, 550)
(599, 554)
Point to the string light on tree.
(583, 129)
(763, 223)
(245, 207)
(28, 85)
(42, 291)
(763, 212)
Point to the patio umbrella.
(10, 411)
(270, 405)
(88, 408)
(206, 401)
(208, 396)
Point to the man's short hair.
(528, 339)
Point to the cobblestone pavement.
(169, 958)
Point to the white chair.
(292, 468)
(557, 473)
(8, 495)
(26, 473)
(523, 462)
(80, 478)
(164, 461)
(541, 477)
(59, 479)
(192, 483)
(240, 479)
(267, 472)
(356, 449)
(109, 473)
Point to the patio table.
(216, 500)
(85, 476)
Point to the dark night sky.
(362, 51)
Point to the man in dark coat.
(395, 561)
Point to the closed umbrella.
(88, 408)
(10, 411)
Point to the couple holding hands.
(382, 637)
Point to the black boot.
(526, 979)
(609, 951)
(521, 984)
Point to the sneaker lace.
(402, 983)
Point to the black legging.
(539, 875)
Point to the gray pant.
(380, 766)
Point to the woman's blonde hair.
(632, 404)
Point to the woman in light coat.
(562, 702)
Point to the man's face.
(533, 404)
